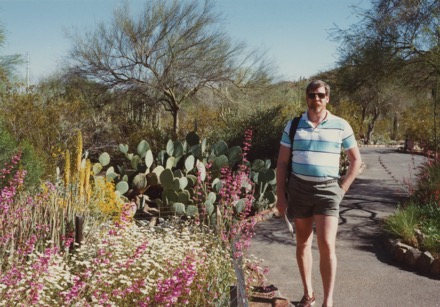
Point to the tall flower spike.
(79, 148)
(67, 169)
(87, 188)
(81, 184)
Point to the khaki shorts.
(306, 198)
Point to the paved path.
(366, 276)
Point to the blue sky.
(295, 33)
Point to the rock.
(403, 245)
(400, 251)
(390, 246)
(420, 236)
(424, 262)
(411, 256)
(435, 267)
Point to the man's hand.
(354, 157)
(282, 206)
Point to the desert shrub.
(417, 222)
(47, 124)
(30, 160)
(417, 225)
(403, 224)
(417, 123)
(267, 127)
(349, 111)
(427, 189)
(429, 225)
(206, 118)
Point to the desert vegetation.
(136, 173)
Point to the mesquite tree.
(168, 52)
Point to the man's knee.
(304, 245)
(327, 248)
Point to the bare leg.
(304, 238)
(326, 229)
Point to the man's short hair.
(317, 84)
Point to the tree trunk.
(395, 126)
(369, 133)
(175, 114)
(371, 126)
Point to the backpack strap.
(293, 128)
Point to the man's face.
(317, 100)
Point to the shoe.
(307, 301)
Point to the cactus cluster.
(264, 178)
(175, 181)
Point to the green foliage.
(47, 121)
(30, 160)
(417, 225)
(351, 112)
(267, 126)
(421, 213)
(344, 163)
(430, 227)
(403, 224)
(427, 189)
(265, 183)
(418, 124)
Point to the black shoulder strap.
(293, 127)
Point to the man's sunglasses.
(312, 95)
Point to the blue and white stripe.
(316, 151)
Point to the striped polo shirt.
(316, 151)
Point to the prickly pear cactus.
(183, 178)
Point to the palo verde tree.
(167, 53)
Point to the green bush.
(30, 160)
(403, 224)
(267, 126)
(418, 222)
(412, 220)
(427, 189)
(429, 216)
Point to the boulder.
(435, 267)
(411, 256)
(424, 262)
(400, 251)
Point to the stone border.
(421, 262)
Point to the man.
(314, 187)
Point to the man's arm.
(282, 167)
(355, 159)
